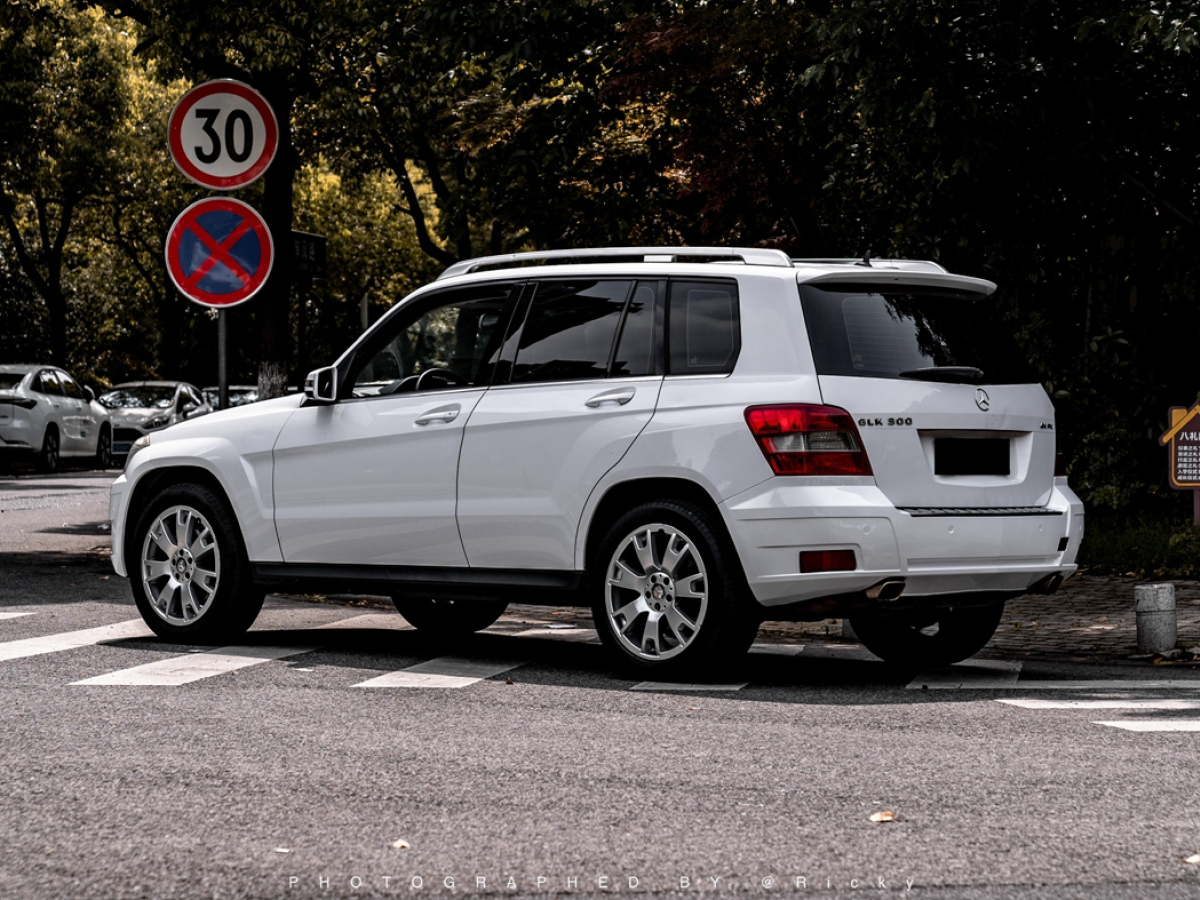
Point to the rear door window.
(570, 330)
(704, 330)
(919, 333)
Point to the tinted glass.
(70, 388)
(454, 343)
(570, 330)
(9, 380)
(879, 335)
(704, 327)
(150, 396)
(46, 383)
(636, 350)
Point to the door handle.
(446, 414)
(620, 396)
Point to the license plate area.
(971, 456)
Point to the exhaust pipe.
(1047, 585)
(886, 590)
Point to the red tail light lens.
(803, 439)
(827, 560)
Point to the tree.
(64, 95)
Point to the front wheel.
(449, 618)
(668, 597)
(933, 638)
(188, 569)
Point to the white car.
(140, 407)
(690, 441)
(45, 416)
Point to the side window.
(704, 327)
(70, 388)
(570, 330)
(46, 383)
(638, 348)
(445, 341)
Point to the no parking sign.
(219, 252)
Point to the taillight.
(827, 561)
(1060, 462)
(804, 439)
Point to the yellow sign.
(1183, 437)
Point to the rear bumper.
(933, 554)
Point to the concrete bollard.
(1154, 605)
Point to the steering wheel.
(445, 376)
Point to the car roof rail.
(906, 265)
(751, 256)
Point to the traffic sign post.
(223, 134)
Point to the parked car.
(690, 441)
(140, 407)
(45, 415)
(239, 395)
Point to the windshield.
(150, 396)
(857, 331)
(9, 380)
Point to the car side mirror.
(189, 409)
(91, 395)
(321, 385)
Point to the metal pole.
(222, 356)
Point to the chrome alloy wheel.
(181, 565)
(656, 592)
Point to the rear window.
(882, 334)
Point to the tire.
(103, 458)
(188, 568)
(449, 618)
(933, 638)
(668, 594)
(47, 458)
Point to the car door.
(583, 384)
(47, 385)
(78, 428)
(370, 479)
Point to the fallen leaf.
(885, 816)
(510, 681)
(693, 708)
(402, 844)
(1194, 859)
(283, 849)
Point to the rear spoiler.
(896, 278)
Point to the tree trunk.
(274, 300)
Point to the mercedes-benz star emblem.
(982, 400)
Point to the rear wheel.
(188, 569)
(449, 618)
(931, 638)
(668, 597)
(47, 460)
(104, 450)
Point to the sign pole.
(223, 356)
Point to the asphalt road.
(292, 765)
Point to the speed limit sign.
(223, 134)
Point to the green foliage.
(1144, 547)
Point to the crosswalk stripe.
(72, 640)
(689, 688)
(561, 634)
(1035, 703)
(1154, 724)
(14, 615)
(392, 621)
(443, 672)
(179, 670)
(777, 649)
(1122, 684)
(979, 674)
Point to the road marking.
(849, 652)
(1032, 703)
(978, 674)
(443, 672)
(689, 688)
(12, 615)
(1123, 684)
(392, 621)
(558, 634)
(777, 649)
(72, 640)
(1155, 724)
(185, 669)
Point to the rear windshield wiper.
(955, 374)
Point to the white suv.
(689, 440)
